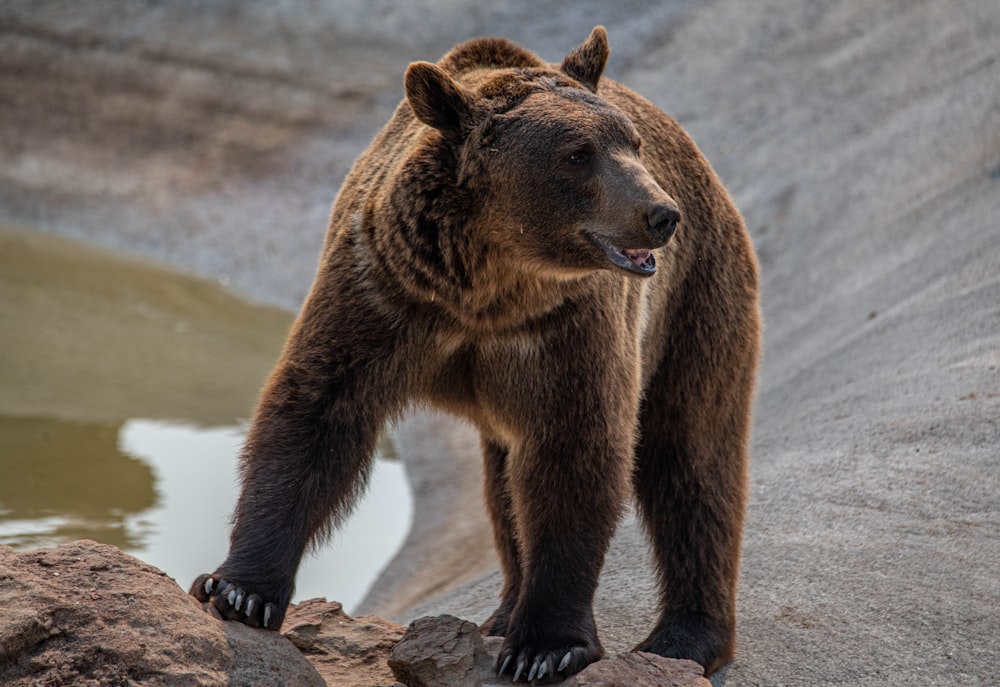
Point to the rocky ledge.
(85, 613)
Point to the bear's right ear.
(586, 63)
(437, 100)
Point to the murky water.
(122, 386)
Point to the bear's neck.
(445, 261)
(503, 297)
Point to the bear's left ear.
(586, 63)
(437, 100)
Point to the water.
(164, 492)
(122, 388)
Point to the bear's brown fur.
(504, 250)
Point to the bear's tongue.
(641, 257)
(639, 261)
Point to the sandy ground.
(861, 141)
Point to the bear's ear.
(586, 63)
(437, 100)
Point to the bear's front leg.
(567, 492)
(307, 455)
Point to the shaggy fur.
(509, 249)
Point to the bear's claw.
(235, 603)
(518, 670)
(538, 669)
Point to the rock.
(85, 613)
(440, 652)
(631, 669)
(346, 651)
(446, 651)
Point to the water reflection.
(196, 472)
(67, 480)
(164, 492)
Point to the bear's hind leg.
(498, 503)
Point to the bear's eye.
(579, 157)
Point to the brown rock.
(87, 614)
(346, 651)
(440, 652)
(639, 669)
(449, 652)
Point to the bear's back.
(487, 53)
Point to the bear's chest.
(477, 377)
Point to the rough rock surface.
(441, 652)
(87, 614)
(346, 651)
(446, 651)
(631, 669)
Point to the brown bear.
(544, 252)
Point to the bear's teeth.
(639, 257)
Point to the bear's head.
(554, 172)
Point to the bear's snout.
(661, 221)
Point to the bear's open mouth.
(639, 261)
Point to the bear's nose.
(661, 221)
